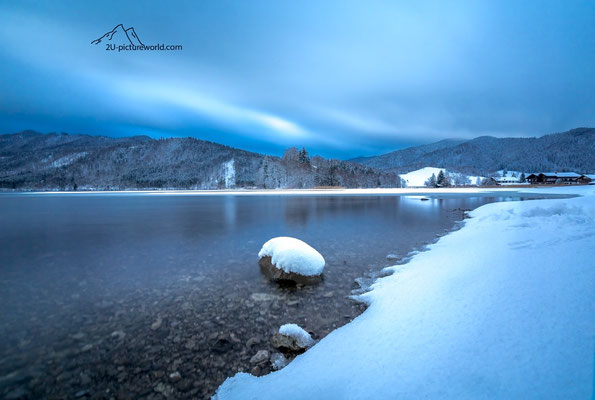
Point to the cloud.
(243, 118)
(351, 77)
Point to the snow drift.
(502, 308)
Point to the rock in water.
(392, 257)
(290, 259)
(291, 338)
(260, 357)
(175, 376)
(157, 324)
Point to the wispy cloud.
(210, 107)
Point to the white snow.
(500, 309)
(278, 361)
(302, 338)
(69, 159)
(230, 174)
(293, 255)
(516, 174)
(510, 180)
(420, 176)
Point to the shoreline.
(183, 307)
(371, 281)
(390, 296)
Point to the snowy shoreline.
(502, 308)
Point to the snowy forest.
(573, 150)
(30, 160)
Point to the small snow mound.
(278, 361)
(302, 338)
(293, 255)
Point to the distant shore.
(313, 191)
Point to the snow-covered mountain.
(30, 160)
(573, 150)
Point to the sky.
(342, 78)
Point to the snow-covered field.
(503, 308)
(420, 176)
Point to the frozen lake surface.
(109, 294)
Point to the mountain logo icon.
(120, 35)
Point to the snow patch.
(420, 176)
(278, 361)
(67, 160)
(230, 174)
(293, 255)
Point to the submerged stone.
(276, 274)
(260, 357)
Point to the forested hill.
(31, 160)
(573, 150)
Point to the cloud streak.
(346, 79)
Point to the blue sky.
(343, 78)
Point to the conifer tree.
(431, 182)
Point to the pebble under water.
(161, 296)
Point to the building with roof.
(555, 178)
(588, 179)
(509, 180)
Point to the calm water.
(106, 295)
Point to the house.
(587, 179)
(555, 178)
(508, 180)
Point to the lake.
(131, 295)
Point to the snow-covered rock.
(294, 331)
(392, 257)
(292, 340)
(285, 258)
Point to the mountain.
(573, 150)
(31, 160)
(406, 156)
(120, 36)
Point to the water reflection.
(77, 268)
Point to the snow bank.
(293, 255)
(302, 338)
(502, 308)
